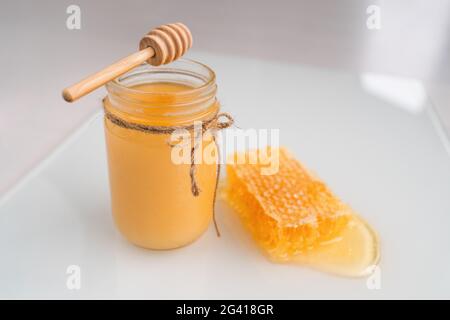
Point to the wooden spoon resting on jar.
(161, 45)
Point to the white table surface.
(389, 164)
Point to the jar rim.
(116, 84)
(144, 105)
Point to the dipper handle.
(162, 45)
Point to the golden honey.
(294, 217)
(152, 201)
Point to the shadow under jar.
(152, 200)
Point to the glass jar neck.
(175, 94)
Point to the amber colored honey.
(294, 217)
(151, 197)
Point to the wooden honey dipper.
(162, 45)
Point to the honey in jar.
(152, 200)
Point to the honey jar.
(154, 203)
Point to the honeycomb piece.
(288, 212)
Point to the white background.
(39, 56)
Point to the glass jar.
(152, 200)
